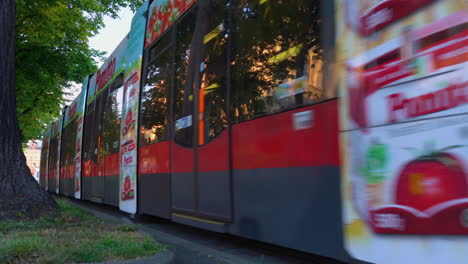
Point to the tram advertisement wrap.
(79, 138)
(162, 14)
(129, 126)
(58, 133)
(404, 121)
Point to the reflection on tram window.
(156, 92)
(111, 117)
(212, 118)
(278, 61)
(183, 82)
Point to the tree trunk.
(20, 194)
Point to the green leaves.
(52, 52)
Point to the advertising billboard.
(403, 74)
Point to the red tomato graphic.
(430, 180)
(127, 184)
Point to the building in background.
(33, 156)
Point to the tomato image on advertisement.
(128, 192)
(127, 184)
(430, 180)
(129, 122)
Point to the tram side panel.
(199, 183)
(286, 180)
(44, 160)
(273, 175)
(283, 186)
(285, 161)
(91, 189)
(63, 164)
(67, 152)
(154, 179)
(101, 138)
(110, 142)
(165, 169)
(155, 145)
(214, 177)
(101, 149)
(88, 156)
(183, 169)
(53, 176)
(52, 161)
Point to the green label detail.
(376, 163)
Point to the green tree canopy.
(52, 52)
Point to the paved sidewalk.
(188, 245)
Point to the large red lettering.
(103, 77)
(440, 100)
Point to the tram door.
(110, 140)
(201, 178)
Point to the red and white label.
(385, 88)
(367, 17)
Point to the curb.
(165, 257)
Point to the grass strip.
(74, 237)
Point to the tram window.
(212, 94)
(68, 150)
(64, 146)
(73, 126)
(183, 82)
(65, 149)
(97, 128)
(277, 62)
(53, 150)
(163, 42)
(53, 154)
(156, 92)
(111, 116)
(89, 135)
(44, 151)
(67, 137)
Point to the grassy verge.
(74, 237)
